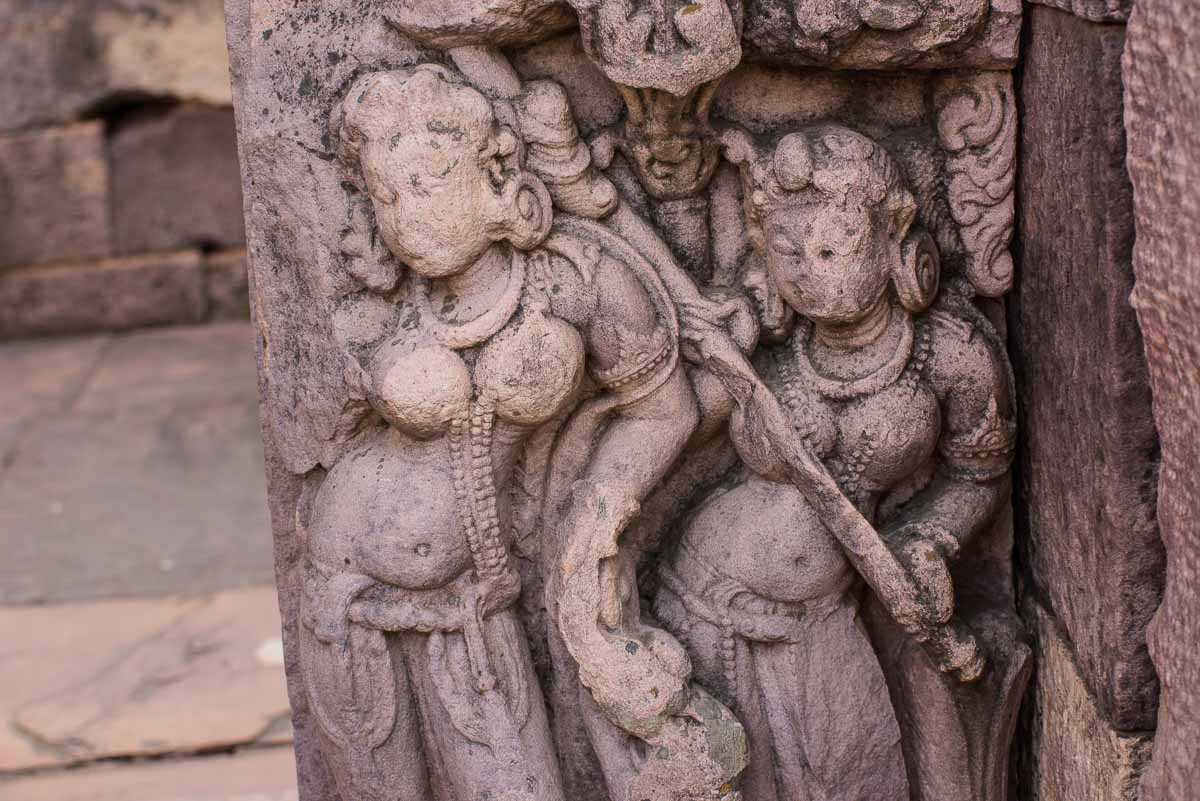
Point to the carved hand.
(906, 534)
(717, 311)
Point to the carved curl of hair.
(827, 163)
(375, 104)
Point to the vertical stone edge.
(1090, 551)
(1074, 754)
(314, 782)
(1162, 107)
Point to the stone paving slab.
(131, 466)
(38, 378)
(267, 774)
(140, 677)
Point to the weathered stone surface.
(228, 285)
(1094, 10)
(175, 180)
(852, 34)
(261, 774)
(468, 22)
(131, 465)
(125, 678)
(1088, 467)
(1076, 754)
(64, 59)
(409, 214)
(1162, 104)
(109, 295)
(54, 195)
(52, 373)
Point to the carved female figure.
(415, 664)
(908, 409)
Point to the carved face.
(830, 263)
(674, 167)
(438, 199)
(671, 164)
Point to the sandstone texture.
(116, 140)
(122, 678)
(1088, 469)
(228, 285)
(852, 34)
(131, 465)
(261, 774)
(54, 192)
(1162, 104)
(444, 261)
(174, 180)
(62, 60)
(108, 295)
(1076, 753)
(1093, 10)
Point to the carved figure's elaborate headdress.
(450, 109)
(824, 163)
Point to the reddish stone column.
(1162, 108)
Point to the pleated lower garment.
(814, 701)
(447, 716)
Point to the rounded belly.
(388, 511)
(767, 537)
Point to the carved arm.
(969, 374)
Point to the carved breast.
(871, 442)
(525, 374)
(885, 438)
(529, 371)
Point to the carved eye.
(825, 255)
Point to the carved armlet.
(983, 453)
(643, 364)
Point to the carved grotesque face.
(671, 164)
(829, 262)
(431, 156)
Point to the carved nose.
(671, 152)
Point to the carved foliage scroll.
(977, 126)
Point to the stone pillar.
(1091, 557)
(1162, 106)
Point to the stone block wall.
(120, 200)
(1090, 555)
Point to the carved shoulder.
(569, 288)
(969, 372)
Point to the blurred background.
(139, 639)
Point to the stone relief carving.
(977, 127)
(673, 460)
(859, 34)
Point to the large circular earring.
(916, 276)
(528, 211)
